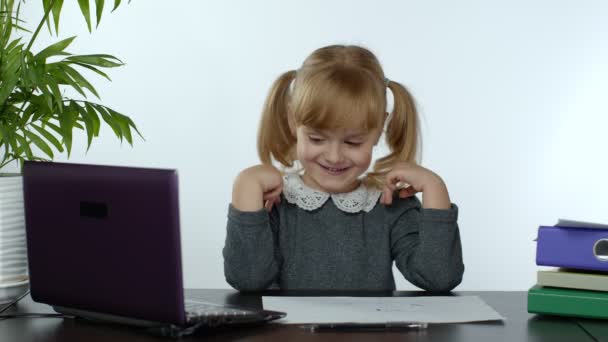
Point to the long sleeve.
(251, 256)
(425, 244)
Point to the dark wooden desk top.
(519, 326)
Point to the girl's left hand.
(409, 179)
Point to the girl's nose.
(333, 154)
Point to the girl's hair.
(338, 87)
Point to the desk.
(519, 326)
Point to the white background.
(512, 95)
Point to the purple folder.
(576, 248)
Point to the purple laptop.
(104, 243)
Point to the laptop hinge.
(103, 317)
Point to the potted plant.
(37, 116)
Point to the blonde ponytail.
(275, 139)
(402, 135)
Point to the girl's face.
(333, 160)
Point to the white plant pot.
(13, 253)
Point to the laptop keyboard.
(215, 314)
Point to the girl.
(329, 225)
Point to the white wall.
(512, 96)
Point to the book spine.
(582, 281)
(573, 304)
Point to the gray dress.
(328, 248)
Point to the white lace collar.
(298, 193)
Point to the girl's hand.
(256, 187)
(408, 179)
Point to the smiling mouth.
(334, 170)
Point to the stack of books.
(578, 286)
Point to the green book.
(567, 302)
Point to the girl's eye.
(315, 139)
(354, 143)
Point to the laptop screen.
(104, 239)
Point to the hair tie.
(386, 81)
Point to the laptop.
(103, 243)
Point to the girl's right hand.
(263, 182)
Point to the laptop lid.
(104, 239)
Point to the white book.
(580, 224)
(594, 281)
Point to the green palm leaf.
(67, 122)
(116, 4)
(56, 10)
(42, 145)
(55, 92)
(63, 78)
(94, 117)
(95, 70)
(78, 78)
(106, 61)
(107, 117)
(86, 11)
(99, 10)
(123, 123)
(24, 145)
(27, 114)
(88, 122)
(48, 136)
(55, 49)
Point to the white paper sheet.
(431, 309)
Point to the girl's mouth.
(333, 170)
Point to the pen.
(349, 326)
